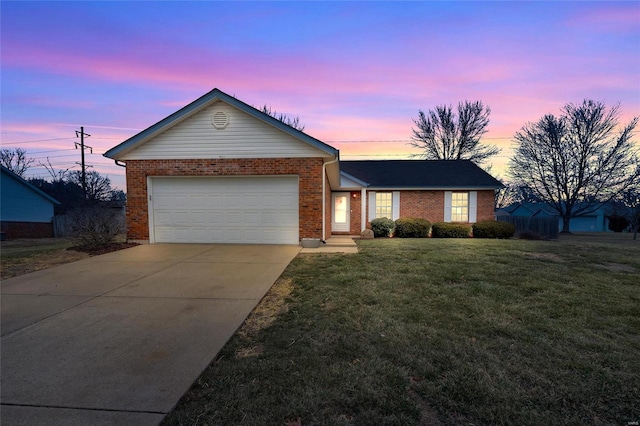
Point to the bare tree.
(506, 196)
(443, 135)
(577, 161)
(56, 175)
(98, 186)
(16, 160)
(293, 122)
(514, 193)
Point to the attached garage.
(242, 210)
(221, 171)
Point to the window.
(459, 206)
(384, 204)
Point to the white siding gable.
(345, 182)
(243, 137)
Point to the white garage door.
(247, 210)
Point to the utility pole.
(81, 134)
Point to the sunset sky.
(355, 73)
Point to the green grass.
(439, 331)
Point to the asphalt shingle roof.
(420, 174)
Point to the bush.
(382, 227)
(96, 226)
(529, 235)
(412, 227)
(493, 229)
(618, 223)
(450, 230)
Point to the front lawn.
(21, 256)
(436, 331)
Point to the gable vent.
(220, 120)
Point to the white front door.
(340, 212)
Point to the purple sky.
(356, 73)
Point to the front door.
(340, 212)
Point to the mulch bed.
(95, 251)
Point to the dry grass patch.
(617, 267)
(22, 256)
(271, 305)
(13, 267)
(544, 256)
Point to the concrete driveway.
(117, 339)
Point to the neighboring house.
(595, 221)
(25, 211)
(527, 210)
(219, 170)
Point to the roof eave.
(34, 189)
(432, 188)
(213, 96)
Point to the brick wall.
(486, 205)
(309, 171)
(356, 212)
(424, 204)
(430, 205)
(13, 230)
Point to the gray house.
(25, 211)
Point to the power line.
(410, 140)
(53, 150)
(37, 140)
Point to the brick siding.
(424, 204)
(430, 205)
(13, 230)
(486, 205)
(309, 171)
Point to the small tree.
(631, 202)
(56, 175)
(16, 160)
(576, 162)
(443, 135)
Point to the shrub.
(450, 230)
(382, 227)
(618, 223)
(412, 227)
(493, 229)
(529, 235)
(96, 226)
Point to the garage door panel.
(225, 210)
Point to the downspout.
(363, 209)
(118, 164)
(324, 198)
